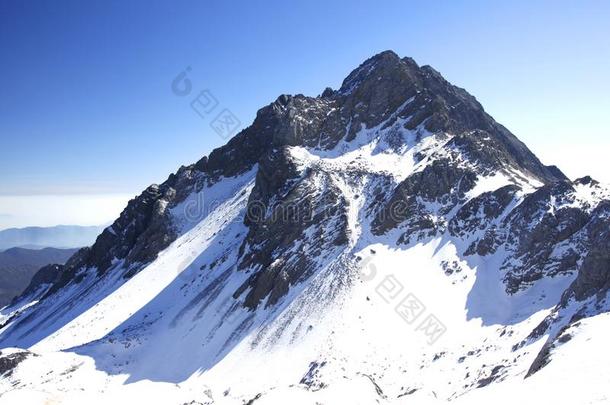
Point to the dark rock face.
(548, 234)
(561, 229)
(382, 87)
(442, 182)
(282, 207)
(478, 213)
(385, 82)
(539, 226)
(137, 225)
(143, 229)
(584, 237)
(594, 273)
(8, 362)
(276, 174)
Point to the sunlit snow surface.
(174, 334)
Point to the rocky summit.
(385, 242)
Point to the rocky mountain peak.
(382, 66)
(383, 89)
(384, 92)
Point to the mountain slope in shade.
(386, 242)
(19, 265)
(60, 236)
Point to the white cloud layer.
(50, 210)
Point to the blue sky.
(87, 106)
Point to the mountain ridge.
(310, 231)
(18, 266)
(59, 236)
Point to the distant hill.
(61, 236)
(18, 266)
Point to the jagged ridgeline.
(260, 248)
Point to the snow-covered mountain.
(386, 242)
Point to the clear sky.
(86, 107)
